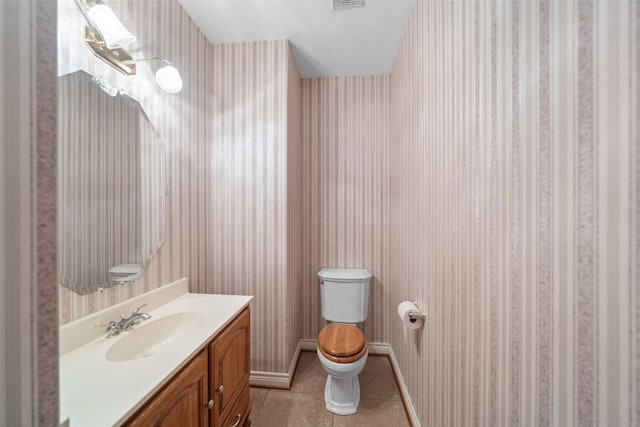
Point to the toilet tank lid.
(343, 274)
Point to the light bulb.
(168, 78)
(115, 34)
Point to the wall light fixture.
(106, 37)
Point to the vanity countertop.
(95, 391)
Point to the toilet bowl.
(342, 348)
(342, 351)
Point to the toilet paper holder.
(417, 315)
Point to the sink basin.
(151, 336)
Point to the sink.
(152, 336)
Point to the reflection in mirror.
(111, 186)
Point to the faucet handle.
(139, 307)
(134, 312)
(105, 323)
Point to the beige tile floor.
(303, 405)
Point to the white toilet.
(342, 349)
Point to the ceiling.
(358, 41)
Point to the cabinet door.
(182, 402)
(229, 366)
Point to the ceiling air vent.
(346, 4)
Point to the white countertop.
(97, 392)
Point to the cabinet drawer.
(240, 412)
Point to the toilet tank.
(344, 294)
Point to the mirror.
(111, 186)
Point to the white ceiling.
(362, 41)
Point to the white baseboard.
(308, 345)
(269, 380)
(408, 404)
(276, 379)
(280, 380)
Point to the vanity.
(188, 364)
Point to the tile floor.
(303, 405)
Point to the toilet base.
(342, 390)
(342, 395)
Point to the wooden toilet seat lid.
(342, 343)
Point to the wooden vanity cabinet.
(212, 390)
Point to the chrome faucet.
(125, 323)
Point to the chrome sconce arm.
(167, 76)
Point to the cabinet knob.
(221, 389)
(210, 404)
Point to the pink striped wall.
(295, 191)
(254, 185)
(514, 187)
(346, 210)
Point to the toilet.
(342, 348)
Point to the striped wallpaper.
(255, 186)
(346, 190)
(514, 187)
(295, 209)
(493, 177)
